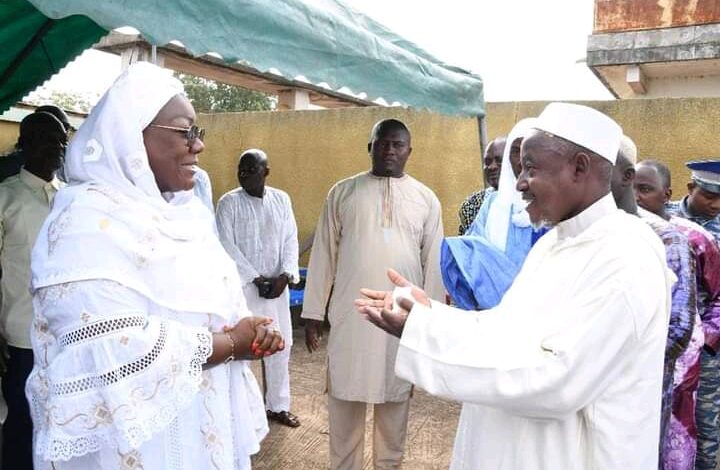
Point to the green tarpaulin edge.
(322, 40)
(36, 47)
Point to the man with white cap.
(566, 372)
(702, 206)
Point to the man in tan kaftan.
(382, 214)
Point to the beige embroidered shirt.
(370, 224)
(25, 202)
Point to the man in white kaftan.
(257, 227)
(566, 372)
(383, 214)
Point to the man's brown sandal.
(284, 417)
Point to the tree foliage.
(69, 101)
(209, 96)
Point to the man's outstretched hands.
(377, 306)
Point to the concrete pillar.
(635, 77)
(134, 54)
(293, 99)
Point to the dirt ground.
(431, 428)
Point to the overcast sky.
(523, 49)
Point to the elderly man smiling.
(566, 372)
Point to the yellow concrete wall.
(673, 130)
(310, 150)
(8, 136)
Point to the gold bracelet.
(231, 357)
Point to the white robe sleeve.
(430, 251)
(225, 219)
(108, 372)
(290, 243)
(203, 188)
(487, 358)
(323, 261)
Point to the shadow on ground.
(431, 428)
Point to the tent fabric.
(63, 40)
(324, 41)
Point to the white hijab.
(111, 221)
(508, 198)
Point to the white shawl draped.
(508, 198)
(127, 284)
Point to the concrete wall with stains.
(673, 130)
(631, 15)
(8, 136)
(310, 150)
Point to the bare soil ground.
(431, 428)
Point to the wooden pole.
(482, 134)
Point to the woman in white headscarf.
(139, 314)
(479, 267)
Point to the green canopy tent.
(324, 41)
(35, 47)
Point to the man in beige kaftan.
(382, 214)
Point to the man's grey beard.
(542, 223)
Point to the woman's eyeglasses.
(191, 133)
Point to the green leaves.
(209, 96)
